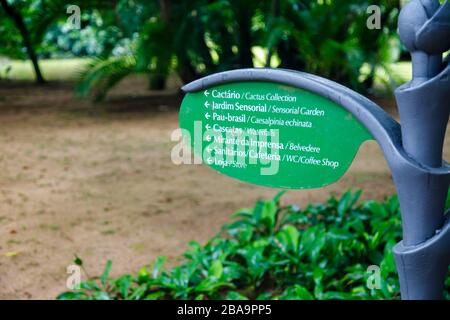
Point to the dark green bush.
(273, 251)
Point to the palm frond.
(102, 74)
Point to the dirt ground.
(97, 181)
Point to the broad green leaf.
(233, 295)
(157, 266)
(289, 238)
(77, 260)
(105, 275)
(216, 269)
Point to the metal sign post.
(288, 129)
(424, 103)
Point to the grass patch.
(53, 69)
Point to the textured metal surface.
(423, 256)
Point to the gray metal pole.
(424, 103)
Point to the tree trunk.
(243, 15)
(275, 12)
(20, 25)
(185, 70)
(165, 8)
(158, 79)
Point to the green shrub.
(273, 251)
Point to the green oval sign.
(271, 134)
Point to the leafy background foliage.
(276, 251)
(328, 38)
(199, 37)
